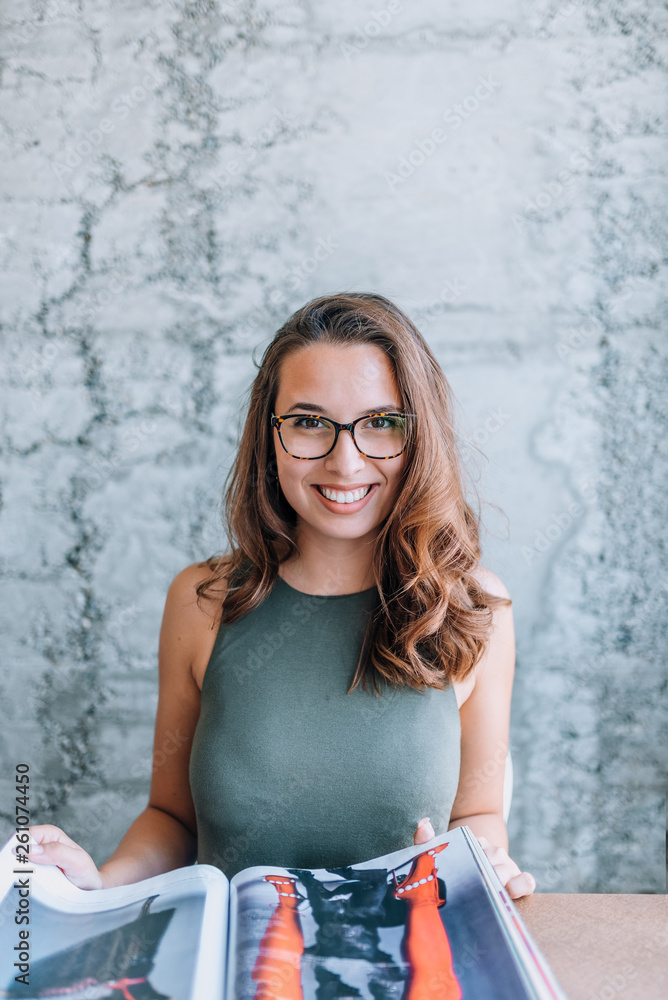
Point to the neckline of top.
(324, 597)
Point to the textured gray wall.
(178, 178)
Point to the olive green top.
(287, 769)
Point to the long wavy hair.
(432, 619)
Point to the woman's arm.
(164, 835)
(485, 727)
(156, 842)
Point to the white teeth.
(350, 496)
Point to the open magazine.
(430, 922)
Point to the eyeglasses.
(309, 436)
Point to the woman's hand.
(54, 847)
(424, 832)
(516, 882)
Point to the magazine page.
(162, 938)
(528, 955)
(416, 923)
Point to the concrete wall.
(498, 169)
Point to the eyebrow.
(321, 410)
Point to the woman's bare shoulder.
(192, 622)
(499, 654)
(490, 581)
(183, 587)
(495, 586)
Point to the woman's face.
(342, 382)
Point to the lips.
(346, 507)
(364, 490)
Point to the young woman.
(340, 681)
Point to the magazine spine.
(536, 973)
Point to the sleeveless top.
(287, 769)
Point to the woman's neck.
(329, 566)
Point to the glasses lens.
(307, 437)
(381, 436)
(377, 436)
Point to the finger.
(521, 885)
(506, 871)
(72, 860)
(517, 882)
(424, 832)
(503, 865)
(47, 833)
(40, 835)
(499, 856)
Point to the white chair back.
(507, 786)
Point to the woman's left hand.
(516, 882)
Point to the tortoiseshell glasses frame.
(277, 421)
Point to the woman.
(348, 665)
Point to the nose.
(345, 459)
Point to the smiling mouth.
(344, 496)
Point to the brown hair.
(433, 618)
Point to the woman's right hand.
(54, 847)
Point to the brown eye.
(307, 422)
